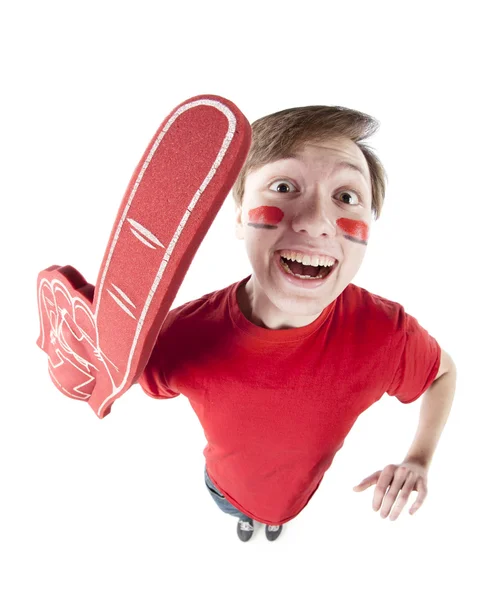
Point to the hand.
(403, 479)
(99, 338)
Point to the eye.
(348, 194)
(280, 185)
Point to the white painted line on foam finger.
(142, 239)
(145, 232)
(123, 295)
(121, 305)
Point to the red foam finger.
(98, 340)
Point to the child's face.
(305, 204)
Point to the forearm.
(435, 409)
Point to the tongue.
(299, 269)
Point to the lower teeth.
(288, 270)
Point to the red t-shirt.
(276, 405)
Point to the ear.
(239, 224)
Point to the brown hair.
(284, 133)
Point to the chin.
(301, 306)
(304, 302)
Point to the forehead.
(324, 159)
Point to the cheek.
(354, 230)
(266, 217)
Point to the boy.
(279, 366)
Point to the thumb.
(362, 486)
(365, 483)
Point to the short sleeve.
(416, 356)
(153, 380)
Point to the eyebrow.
(350, 166)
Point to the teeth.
(288, 270)
(306, 259)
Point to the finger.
(400, 475)
(367, 482)
(403, 497)
(382, 485)
(175, 193)
(422, 493)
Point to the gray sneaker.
(245, 529)
(273, 532)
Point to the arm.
(435, 409)
(411, 474)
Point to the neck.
(258, 308)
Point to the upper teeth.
(306, 259)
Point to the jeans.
(221, 501)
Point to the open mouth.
(297, 269)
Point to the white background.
(117, 508)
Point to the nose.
(313, 219)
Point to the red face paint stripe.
(268, 216)
(354, 228)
